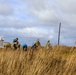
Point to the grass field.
(60, 60)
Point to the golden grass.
(61, 60)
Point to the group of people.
(16, 44)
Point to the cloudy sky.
(32, 19)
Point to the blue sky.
(32, 19)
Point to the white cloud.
(28, 18)
(5, 9)
(35, 32)
(41, 10)
(67, 6)
(29, 32)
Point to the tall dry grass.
(61, 60)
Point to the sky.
(30, 20)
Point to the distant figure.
(16, 43)
(36, 44)
(24, 47)
(48, 45)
